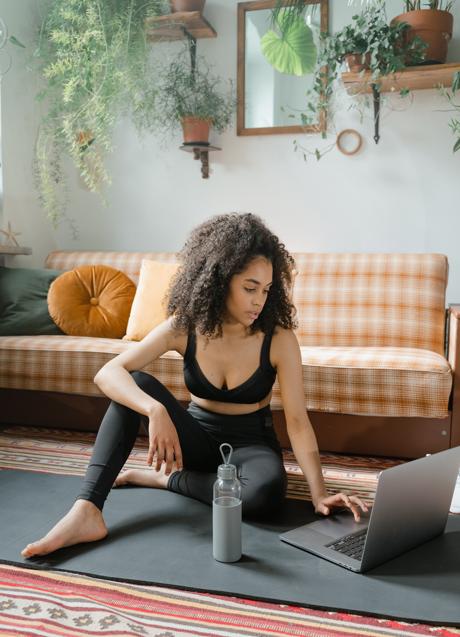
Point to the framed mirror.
(270, 102)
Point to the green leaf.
(456, 145)
(15, 41)
(456, 82)
(294, 53)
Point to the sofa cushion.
(23, 307)
(350, 380)
(371, 300)
(127, 262)
(69, 364)
(149, 306)
(92, 300)
(376, 381)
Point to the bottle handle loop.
(222, 453)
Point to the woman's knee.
(264, 491)
(145, 381)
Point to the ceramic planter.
(434, 27)
(357, 62)
(187, 5)
(196, 131)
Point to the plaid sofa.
(371, 328)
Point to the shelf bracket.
(201, 153)
(192, 49)
(376, 99)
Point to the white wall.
(20, 117)
(401, 195)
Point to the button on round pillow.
(91, 300)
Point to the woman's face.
(248, 292)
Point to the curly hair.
(216, 250)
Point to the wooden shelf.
(413, 78)
(201, 152)
(14, 250)
(176, 26)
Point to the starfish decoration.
(10, 235)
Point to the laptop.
(411, 506)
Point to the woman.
(230, 317)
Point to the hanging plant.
(452, 97)
(93, 58)
(290, 48)
(368, 41)
(186, 91)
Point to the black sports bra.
(253, 390)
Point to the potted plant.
(367, 43)
(191, 97)
(432, 24)
(93, 61)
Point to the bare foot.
(145, 477)
(83, 523)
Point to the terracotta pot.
(196, 131)
(358, 62)
(187, 5)
(434, 27)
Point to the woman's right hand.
(164, 443)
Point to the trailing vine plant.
(452, 98)
(383, 50)
(93, 58)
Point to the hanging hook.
(222, 453)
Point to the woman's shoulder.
(283, 334)
(177, 337)
(284, 342)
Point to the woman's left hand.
(352, 502)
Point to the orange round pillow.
(91, 300)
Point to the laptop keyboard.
(351, 545)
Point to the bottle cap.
(226, 471)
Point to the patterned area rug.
(45, 603)
(67, 453)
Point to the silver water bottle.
(226, 512)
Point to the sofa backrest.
(127, 262)
(342, 299)
(371, 299)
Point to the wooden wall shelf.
(15, 250)
(201, 152)
(176, 26)
(413, 78)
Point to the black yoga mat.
(159, 537)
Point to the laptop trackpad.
(339, 524)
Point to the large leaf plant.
(93, 58)
(289, 46)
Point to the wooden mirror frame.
(256, 5)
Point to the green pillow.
(23, 304)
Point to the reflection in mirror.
(270, 102)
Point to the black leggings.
(257, 454)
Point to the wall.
(401, 195)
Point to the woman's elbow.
(297, 423)
(100, 377)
